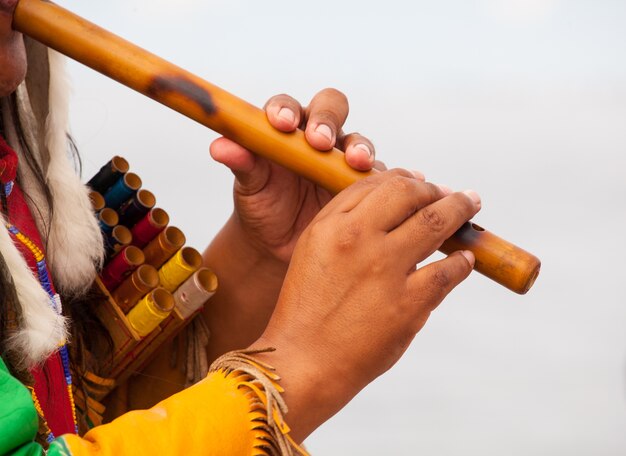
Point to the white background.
(523, 101)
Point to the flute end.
(531, 279)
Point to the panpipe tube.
(146, 229)
(195, 292)
(97, 200)
(109, 174)
(179, 268)
(107, 218)
(143, 280)
(120, 266)
(237, 120)
(162, 247)
(116, 240)
(136, 208)
(124, 188)
(150, 311)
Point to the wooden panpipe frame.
(242, 122)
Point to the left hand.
(273, 205)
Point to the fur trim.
(75, 241)
(41, 329)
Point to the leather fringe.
(197, 366)
(266, 403)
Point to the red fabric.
(50, 385)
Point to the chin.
(12, 76)
(7, 87)
(12, 65)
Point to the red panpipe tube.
(120, 266)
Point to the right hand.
(353, 299)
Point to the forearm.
(249, 284)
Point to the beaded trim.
(55, 303)
(8, 188)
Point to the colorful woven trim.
(55, 303)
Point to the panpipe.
(153, 283)
(496, 258)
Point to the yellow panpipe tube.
(150, 311)
(179, 268)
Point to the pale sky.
(523, 101)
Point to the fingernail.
(445, 189)
(366, 148)
(325, 131)
(474, 196)
(419, 175)
(469, 256)
(287, 114)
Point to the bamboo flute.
(240, 121)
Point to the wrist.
(233, 251)
(249, 284)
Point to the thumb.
(251, 172)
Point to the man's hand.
(354, 297)
(273, 205)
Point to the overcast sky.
(523, 101)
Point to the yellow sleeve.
(222, 415)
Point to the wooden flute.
(241, 122)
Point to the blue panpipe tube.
(125, 187)
(107, 218)
(150, 311)
(116, 240)
(136, 208)
(195, 292)
(121, 266)
(179, 268)
(108, 174)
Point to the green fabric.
(18, 417)
(58, 448)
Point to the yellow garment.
(218, 416)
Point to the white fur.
(74, 244)
(41, 329)
(75, 241)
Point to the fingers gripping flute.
(241, 122)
